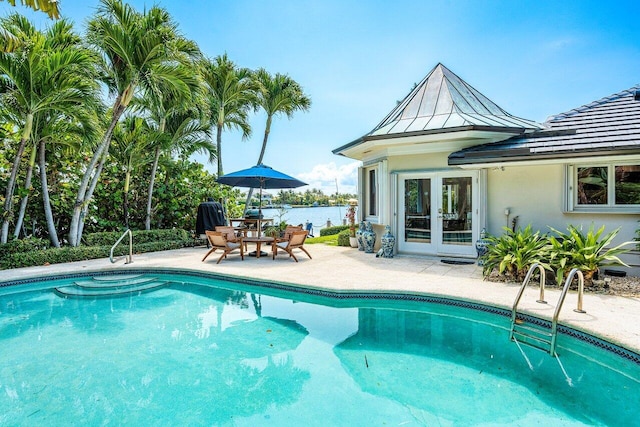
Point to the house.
(447, 162)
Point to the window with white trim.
(371, 192)
(600, 187)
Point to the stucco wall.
(535, 194)
(418, 162)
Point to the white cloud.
(324, 177)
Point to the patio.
(613, 318)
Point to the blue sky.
(355, 59)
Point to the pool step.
(113, 282)
(532, 335)
(102, 286)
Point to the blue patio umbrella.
(262, 177)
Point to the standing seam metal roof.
(443, 100)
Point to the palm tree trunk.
(154, 169)
(90, 190)
(125, 199)
(152, 180)
(53, 233)
(27, 187)
(267, 130)
(219, 146)
(84, 190)
(8, 201)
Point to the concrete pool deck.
(613, 318)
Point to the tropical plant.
(278, 94)
(139, 51)
(231, 93)
(48, 76)
(132, 141)
(514, 252)
(585, 251)
(162, 105)
(50, 7)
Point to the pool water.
(203, 351)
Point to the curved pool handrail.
(556, 314)
(524, 286)
(128, 258)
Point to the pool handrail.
(128, 258)
(527, 278)
(578, 309)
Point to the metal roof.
(443, 100)
(443, 103)
(608, 126)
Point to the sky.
(357, 59)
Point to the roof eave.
(525, 155)
(497, 129)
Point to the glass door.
(438, 213)
(417, 210)
(456, 213)
(417, 198)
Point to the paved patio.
(616, 319)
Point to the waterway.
(318, 216)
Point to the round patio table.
(258, 241)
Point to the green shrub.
(514, 252)
(343, 238)
(54, 256)
(23, 245)
(575, 249)
(31, 252)
(108, 238)
(81, 253)
(330, 231)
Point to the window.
(604, 187)
(371, 192)
(592, 185)
(627, 185)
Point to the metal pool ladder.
(536, 336)
(128, 259)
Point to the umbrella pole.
(260, 212)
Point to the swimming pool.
(201, 350)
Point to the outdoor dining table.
(258, 241)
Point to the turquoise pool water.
(205, 351)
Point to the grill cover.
(210, 215)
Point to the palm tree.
(160, 104)
(277, 94)
(189, 134)
(140, 51)
(50, 7)
(132, 140)
(48, 74)
(231, 92)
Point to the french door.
(438, 213)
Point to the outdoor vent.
(636, 95)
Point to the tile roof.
(608, 126)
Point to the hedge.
(108, 238)
(23, 245)
(30, 253)
(330, 231)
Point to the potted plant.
(351, 220)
